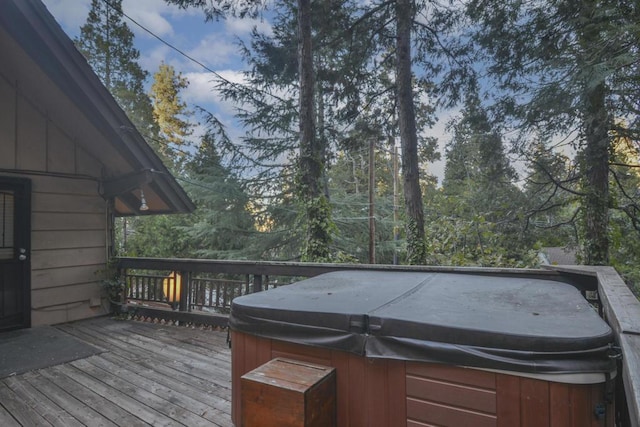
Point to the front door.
(15, 270)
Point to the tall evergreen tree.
(311, 160)
(171, 114)
(477, 155)
(311, 153)
(106, 41)
(355, 94)
(416, 249)
(165, 236)
(562, 67)
(551, 194)
(349, 188)
(481, 207)
(222, 225)
(107, 44)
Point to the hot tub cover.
(520, 324)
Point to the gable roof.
(69, 90)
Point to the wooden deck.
(148, 374)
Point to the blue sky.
(212, 43)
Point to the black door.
(15, 266)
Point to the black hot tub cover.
(509, 323)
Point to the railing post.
(257, 283)
(122, 278)
(185, 291)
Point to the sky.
(213, 43)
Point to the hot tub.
(445, 349)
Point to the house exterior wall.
(69, 218)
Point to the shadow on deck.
(148, 374)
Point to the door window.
(7, 221)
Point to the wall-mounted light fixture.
(143, 202)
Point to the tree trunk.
(315, 204)
(596, 150)
(596, 179)
(416, 250)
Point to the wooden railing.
(197, 292)
(621, 310)
(192, 287)
(207, 288)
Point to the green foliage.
(348, 181)
(459, 234)
(161, 236)
(550, 202)
(219, 9)
(564, 70)
(624, 222)
(222, 226)
(476, 219)
(111, 281)
(319, 230)
(417, 247)
(475, 242)
(171, 114)
(625, 249)
(476, 153)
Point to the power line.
(199, 63)
(181, 52)
(190, 58)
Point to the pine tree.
(625, 217)
(171, 114)
(349, 185)
(416, 249)
(476, 155)
(477, 221)
(550, 191)
(164, 235)
(563, 69)
(222, 226)
(107, 43)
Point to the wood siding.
(69, 217)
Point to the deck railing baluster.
(210, 293)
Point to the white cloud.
(200, 90)
(241, 27)
(215, 50)
(150, 59)
(148, 13)
(70, 14)
(201, 87)
(233, 76)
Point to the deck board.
(148, 374)
(19, 409)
